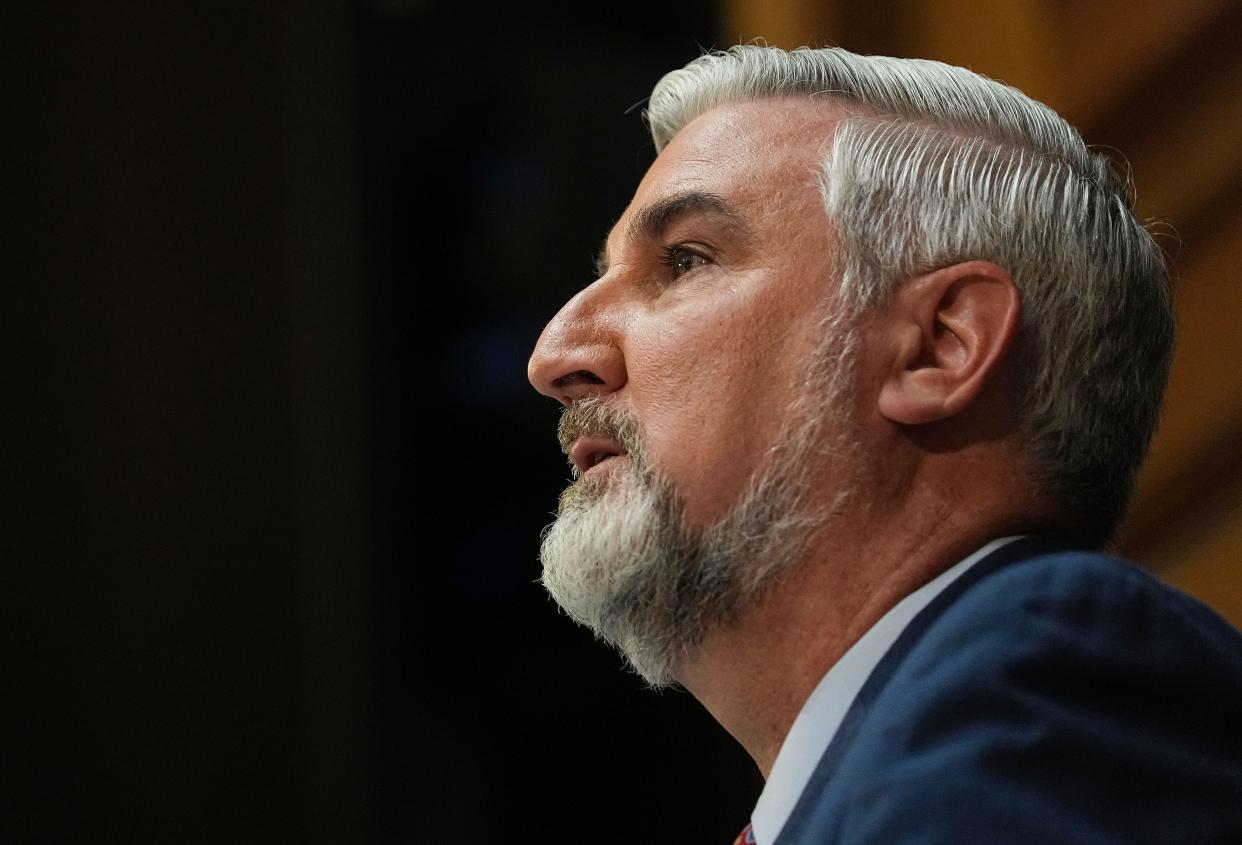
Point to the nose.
(579, 353)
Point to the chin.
(612, 561)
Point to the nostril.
(576, 377)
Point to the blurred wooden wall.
(1160, 82)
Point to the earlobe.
(950, 331)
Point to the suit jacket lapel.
(1027, 547)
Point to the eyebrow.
(651, 221)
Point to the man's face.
(708, 309)
(704, 338)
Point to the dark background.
(273, 475)
(277, 475)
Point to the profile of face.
(707, 378)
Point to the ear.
(949, 332)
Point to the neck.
(754, 675)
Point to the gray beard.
(621, 560)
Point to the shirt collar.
(821, 715)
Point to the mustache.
(592, 416)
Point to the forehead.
(760, 153)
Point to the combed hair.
(934, 165)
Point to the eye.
(681, 259)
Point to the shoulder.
(1060, 697)
(1084, 605)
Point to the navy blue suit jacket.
(1049, 695)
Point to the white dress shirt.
(822, 713)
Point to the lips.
(589, 452)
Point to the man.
(872, 360)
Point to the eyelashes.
(681, 259)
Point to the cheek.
(709, 385)
(691, 359)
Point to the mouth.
(590, 452)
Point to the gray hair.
(934, 165)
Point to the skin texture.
(707, 351)
(704, 358)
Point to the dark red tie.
(746, 837)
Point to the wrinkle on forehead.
(752, 148)
(756, 153)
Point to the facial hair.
(621, 559)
